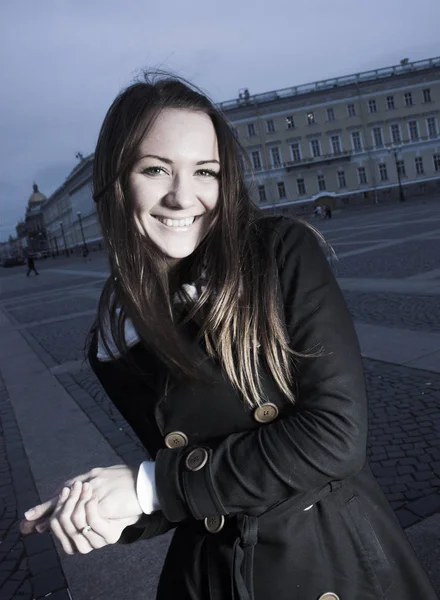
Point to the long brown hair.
(239, 310)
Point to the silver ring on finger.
(86, 529)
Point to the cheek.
(212, 196)
(143, 196)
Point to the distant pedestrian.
(327, 212)
(85, 255)
(31, 266)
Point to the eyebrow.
(170, 162)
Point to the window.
(436, 158)
(377, 137)
(383, 172)
(276, 157)
(342, 182)
(321, 183)
(413, 130)
(431, 125)
(262, 193)
(256, 159)
(316, 148)
(401, 168)
(336, 144)
(311, 118)
(270, 126)
(390, 103)
(357, 141)
(372, 106)
(302, 186)
(419, 165)
(281, 189)
(426, 95)
(330, 114)
(395, 134)
(290, 122)
(408, 99)
(295, 148)
(351, 110)
(362, 175)
(251, 129)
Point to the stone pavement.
(56, 421)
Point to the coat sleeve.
(128, 397)
(323, 440)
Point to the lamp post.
(395, 151)
(82, 232)
(64, 238)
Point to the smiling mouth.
(177, 223)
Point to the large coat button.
(329, 596)
(196, 459)
(266, 413)
(176, 439)
(214, 524)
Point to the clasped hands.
(91, 511)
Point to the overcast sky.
(63, 62)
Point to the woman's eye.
(209, 173)
(152, 170)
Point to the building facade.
(70, 213)
(31, 231)
(368, 137)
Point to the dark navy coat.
(280, 504)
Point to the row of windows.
(342, 181)
(373, 107)
(407, 97)
(356, 140)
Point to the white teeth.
(175, 223)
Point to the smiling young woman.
(224, 340)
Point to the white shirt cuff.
(146, 487)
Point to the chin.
(178, 253)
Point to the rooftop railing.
(325, 84)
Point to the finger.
(83, 477)
(108, 529)
(65, 520)
(66, 507)
(94, 537)
(27, 527)
(56, 528)
(79, 514)
(41, 510)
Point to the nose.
(182, 195)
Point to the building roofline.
(404, 68)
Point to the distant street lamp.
(64, 238)
(395, 150)
(82, 231)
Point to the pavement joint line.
(415, 288)
(382, 246)
(70, 366)
(58, 319)
(96, 274)
(374, 226)
(433, 274)
(42, 294)
(49, 300)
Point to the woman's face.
(174, 183)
